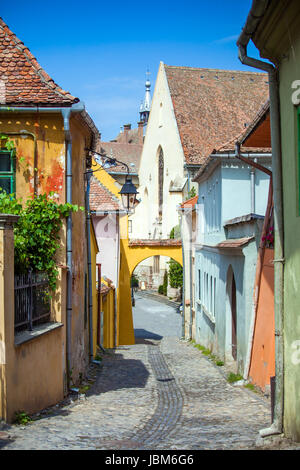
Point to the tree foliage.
(191, 193)
(175, 232)
(175, 274)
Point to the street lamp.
(128, 194)
(128, 191)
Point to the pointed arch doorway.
(231, 317)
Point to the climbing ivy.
(191, 193)
(6, 142)
(37, 232)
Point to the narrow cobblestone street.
(157, 394)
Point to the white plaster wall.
(162, 132)
(107, 234)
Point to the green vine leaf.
(37, 232)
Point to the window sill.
(25, 336)
(207, 313)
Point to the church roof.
(213, 106)
(25, 81)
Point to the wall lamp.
(128, 191)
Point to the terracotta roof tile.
(189, 203)
(234, 242)
(127, 153)
(133, 136)
(104, 288)
(213, 106)
(26, 83)
(101, 199)
(261, 121)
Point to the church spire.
(146, 104)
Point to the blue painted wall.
(226, 194)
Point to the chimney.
(141, 132)
(127, 128)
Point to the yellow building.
(49, 129)
(118, 257)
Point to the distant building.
(193, 111)
(232, 203)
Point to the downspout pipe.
(88, 230)
(183, 277)
(252, 180)
(66, 113)
(254, 17)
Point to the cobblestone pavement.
(153, 395)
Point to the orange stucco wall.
(263, 351)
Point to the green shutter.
(7, 171)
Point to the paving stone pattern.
(153, 395)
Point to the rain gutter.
(255, 15)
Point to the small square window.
(5, 185)
(5, 162)
(7, 172)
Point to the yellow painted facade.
(130, 257)
(34, 374)
(108, 309)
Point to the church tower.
(146, 104)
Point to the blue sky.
(100, 51)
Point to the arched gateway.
(139, 250)
(132, 253)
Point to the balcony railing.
(32, 301)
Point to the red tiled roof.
(104, 288)
(133, 136)
(190, 202)
(213, 106)
(127, 153)
(101, 199)
(26, 83)
(259, 127)
(234, 242)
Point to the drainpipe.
(66, 113)
(89, 263)
(256, 13)
(183, 277)
(252, 182)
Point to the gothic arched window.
(160, 181)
